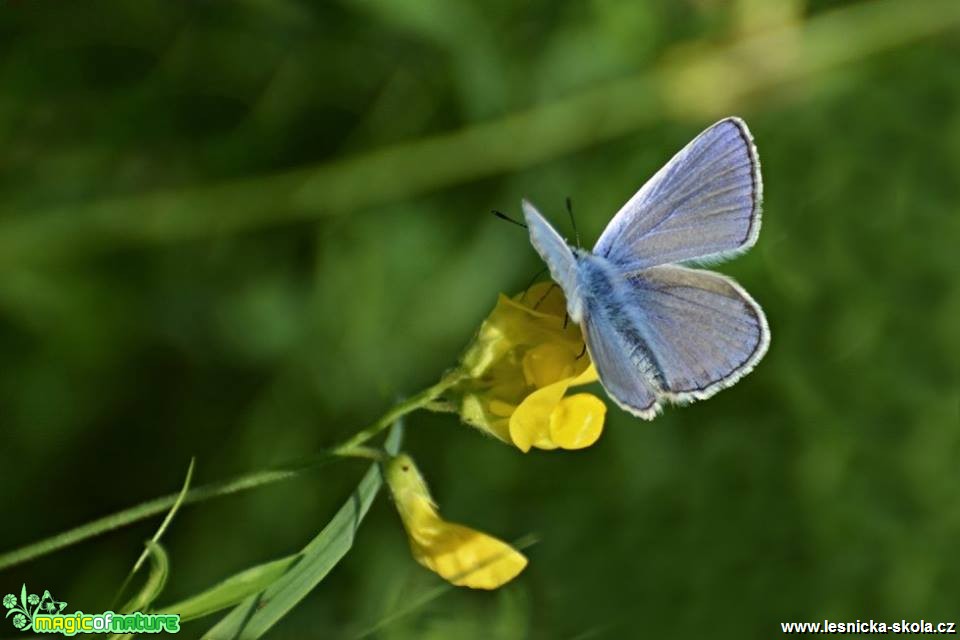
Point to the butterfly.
(656, 330)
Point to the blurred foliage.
(242, 230)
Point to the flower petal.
(587, 376)
(530, 423)
(577, 421)
(484, 416)
(468, 558)
(547, 363)
(490, 344)
(544, 297)
(459, 554)
(524, 358)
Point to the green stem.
(349, 448)
(141, 512)
(367, 453)
(442, 406)
(419, 401)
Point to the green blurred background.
(242, 230)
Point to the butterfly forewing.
(556, 254)
(704, 204)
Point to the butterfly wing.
(556, 254)
(49, 605)
(622, 361)
(703, 204)
(704, 331)
(687, 332)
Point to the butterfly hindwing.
(703, 204)
(621, 361)
(701, 329)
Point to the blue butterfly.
(658, 331)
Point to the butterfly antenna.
(504, 216)
(573, 221)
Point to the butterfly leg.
(583, 351)
(552, 286)
(530, 284)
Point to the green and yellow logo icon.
(25, 608)
(44, 614)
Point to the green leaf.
(258, 613)
(159, 571)
(231, 591)
(166, 521)
(155, 540)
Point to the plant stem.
(367, 453)
(418, 401)
(141, 512)
(349, 448)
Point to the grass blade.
(156, 581)
(170, 514)
(257, 614)
(152, 545)
(231, 591)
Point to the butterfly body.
(606, 298)
(656, 330)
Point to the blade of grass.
(258, 613)
(173, 511)
(231, 591)
(156, 581)
(160, 531)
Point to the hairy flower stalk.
(422, 400)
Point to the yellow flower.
(458, 554)
(519, 368)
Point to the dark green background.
(235, 318)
